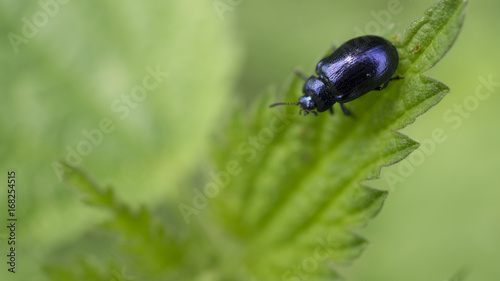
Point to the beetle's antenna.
(284, 103)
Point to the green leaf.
(433, 34)
(153, 249)
(298, 187)
(72, 69)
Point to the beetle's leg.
(397, 77)
(301, 74)
(345, 110)
(331, 110)
(387, 83)
(333, 48)
(383, 86)
(308, 111)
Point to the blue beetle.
(358, 66)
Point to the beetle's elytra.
(358, 66)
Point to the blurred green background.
(71, 65)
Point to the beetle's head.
(316, 97)
(307, 105)
(305, 102)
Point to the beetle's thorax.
(317, 92)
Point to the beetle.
(357, 67)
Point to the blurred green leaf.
(85, 62)
(154, 250)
